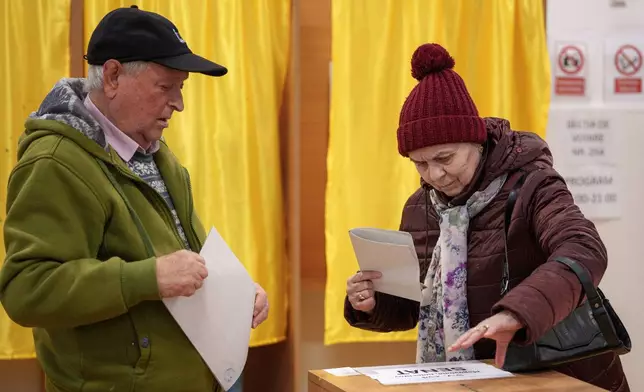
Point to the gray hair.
(94, 79)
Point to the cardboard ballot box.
(405, 378)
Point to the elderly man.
(100, 220)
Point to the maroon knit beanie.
(439, 109)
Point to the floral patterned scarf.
(443, 309)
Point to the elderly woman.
(468, 166)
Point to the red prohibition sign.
(628, 60)
(571, 60)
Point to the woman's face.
(448, 168)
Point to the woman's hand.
(360, 290)
(500, 327)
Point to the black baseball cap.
(131, 34)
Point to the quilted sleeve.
(553, 291)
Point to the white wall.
(591, 21)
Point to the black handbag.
(591, 329)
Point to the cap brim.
(190, 62)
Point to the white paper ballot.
(433, 372)
(342, 372)
(217, 318)
(393, 254)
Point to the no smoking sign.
(626, 65)
(628, 60)
(623, 72)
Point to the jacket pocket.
(51, 386)
(107, 347)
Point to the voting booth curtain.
(35, 53)
(227, 136)
(500, 51)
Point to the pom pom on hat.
(439, 109)
(428, 59)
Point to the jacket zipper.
(195, 237)
(142, 363)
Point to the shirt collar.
(120, 142)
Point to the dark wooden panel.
(315, 55)
(76, 44)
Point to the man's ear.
(112, 69)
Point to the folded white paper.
(433, 372)
(391, 253)
(217, 318)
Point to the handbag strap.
(595, 300)
(509, 208)
(139, 226)
(592, 295)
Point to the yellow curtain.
(35, 54)
(228, 135)
(500, 51)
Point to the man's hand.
(260, 313)
(500, 327)
(180, 274)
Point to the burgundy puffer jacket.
(545, 224)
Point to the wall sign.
(585, 144)
(570, 69)
(595, 190)
(623, 68)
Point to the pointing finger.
(501, 350)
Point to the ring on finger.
(361, 297)
(483, 327)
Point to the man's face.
(142, 103)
